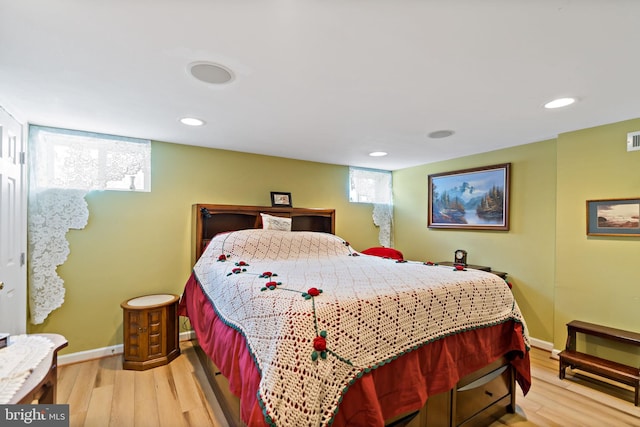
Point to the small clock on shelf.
(460, 257)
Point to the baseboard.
(544, 345)
(83, 356)
(97, 353)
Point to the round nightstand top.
(149, 300)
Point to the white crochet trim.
(18, 360)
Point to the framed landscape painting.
(613, 217)
(472, 199)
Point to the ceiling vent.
(633, 141)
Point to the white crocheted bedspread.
(18, 360)
(367, 310)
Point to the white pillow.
(270, 222)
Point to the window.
(69, 159)
(370, 186)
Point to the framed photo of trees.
(471, 199)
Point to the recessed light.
(441, 134)
(209, 72)
(559, 103)
(378, 154)
(192, 121)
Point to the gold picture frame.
(470, 199)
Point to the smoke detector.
(209, 72)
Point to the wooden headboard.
(209, 220)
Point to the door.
(13, 228)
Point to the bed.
(305, 330)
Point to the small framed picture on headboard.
(280, 199)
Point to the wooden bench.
(622, 373)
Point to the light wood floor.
(101, 393)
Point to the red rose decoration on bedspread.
(312, 292)
(239, 269)
(271, 285)
(320, 344)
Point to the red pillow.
(384, 252)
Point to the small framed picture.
(613, 217)
(280, 199)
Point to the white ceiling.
(324, 80)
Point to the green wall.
(597, 278)
(526, 252)
(140, 243)
(559, 273)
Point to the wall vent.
(633, 141)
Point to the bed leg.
(511, 407)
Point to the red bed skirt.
(396, 388)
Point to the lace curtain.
(64, 165)
(374, 186)
(383, 218)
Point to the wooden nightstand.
(501, 274)
(150, 330)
